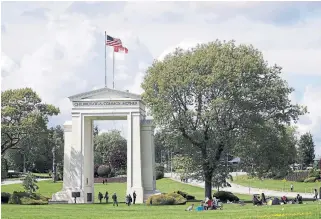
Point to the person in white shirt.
(190, 208)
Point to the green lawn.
(309, 210)
(277, 185)
(47, 188)
(83, 211)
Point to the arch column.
(148, 157)
(134, 159)
(88, 164)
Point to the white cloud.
(311, 122)
(63, 54)
(186, 44)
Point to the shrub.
(314, 173)
(179, 199)
(185, 195)
(26, 198)
(29, 183)
(310, 179)
(103, 171)
(30, 201)
(224, 196)
(159, 167)
(166, 199)
(5, 197)
(159, 174)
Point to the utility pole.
(54, 166)
(54, 163)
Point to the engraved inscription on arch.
(104, 103)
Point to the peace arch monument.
(107, 104)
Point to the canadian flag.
(120, 49)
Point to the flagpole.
(113, 69)
(105, 60)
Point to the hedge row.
(224, 196)
(166, 199)
(23, 198)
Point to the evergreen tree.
(306, 149)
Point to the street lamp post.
(54, 163)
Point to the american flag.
(111, 41)
(120, 49)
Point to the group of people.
(284, 200)
(297, 200)
(128, 199)
(257, 200)
(207, 204)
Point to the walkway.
(235, 188)
(10, 182)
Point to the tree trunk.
(208, 184)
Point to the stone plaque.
(89, 197)
(104, 103)
(75, 194)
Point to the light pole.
(54, 163)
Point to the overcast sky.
(57, 48)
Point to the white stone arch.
(104, 104)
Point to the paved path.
(10, 182)
(235, 188)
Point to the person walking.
(315, 194)
(100, 196)
(291, 187)
(130, 199)
(106, 197)
(114, 197)
(134, 197)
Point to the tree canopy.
(22, 113)
(306, 149)
(111, 149)
(213, 92)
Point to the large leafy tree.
(29, 154)
(213, 91)
(184, 166)
(112, 149)
(267, 149)
(306, 146)
(22, 113)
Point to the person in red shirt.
(209, 204)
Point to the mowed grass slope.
(309, 210)
(231, 211)
(277, 185)
(47, 188)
